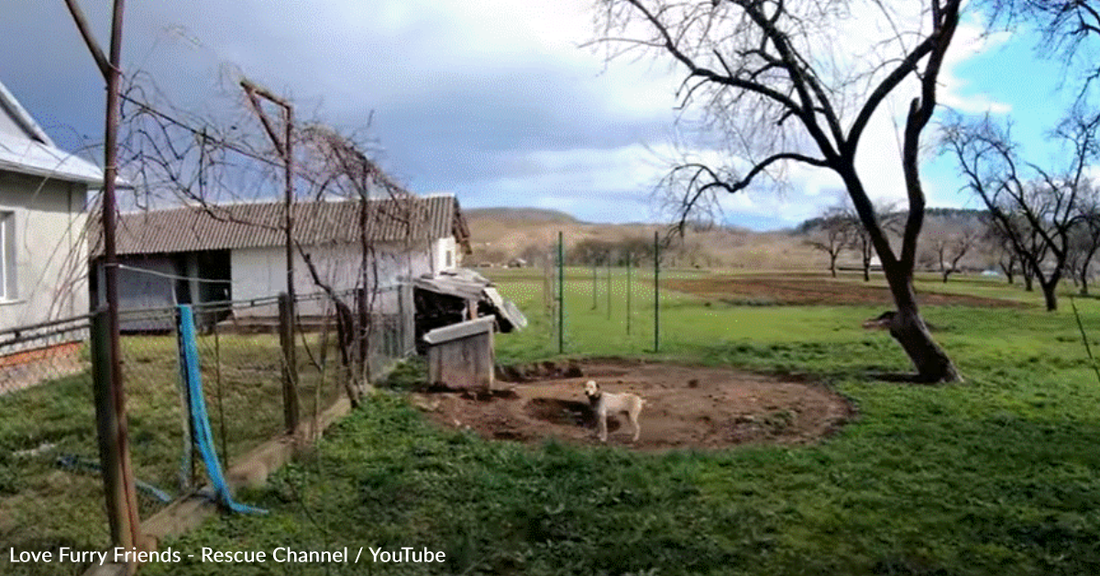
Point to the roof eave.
(89, 180)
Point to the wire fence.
(51, 491)
(47, 435)
(620, 284)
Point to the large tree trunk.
(1049, 287)
(1009, 271)
(1050, 296)
(909, 329)
(866, 272)
(1083, 274)
(1029, 278)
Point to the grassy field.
(44, 504)
(998, 475)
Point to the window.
(7, 256)
(448, 259)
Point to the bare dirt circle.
(686, 406)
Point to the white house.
(43, 191)
(237, 251)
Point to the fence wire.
(51, 490)
(51, 493)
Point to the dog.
(605, 403)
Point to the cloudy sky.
(493, 100)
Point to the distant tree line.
(677, 251)
(1041, 225)
(597, 252)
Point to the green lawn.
(44, 505)
(998, 475)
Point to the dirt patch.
(686, 407)
(814, 291)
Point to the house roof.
(259, 225)
(34, 153)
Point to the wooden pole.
(284, 145)
(290, 392)
(107, 429)
(286, 343)
(118, 476)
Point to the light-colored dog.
(604, 403)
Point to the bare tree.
(952, 246)
(1001, 250)
(1008, 261)
(890, 219)
(772, 79)
(176, 157)
(1064, 26)
(833, 235)
(342, 169)
(1085, 237)
(1036, 214)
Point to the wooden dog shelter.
(461, 356)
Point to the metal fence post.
(608, 285)
(656, 293)
(290, 370)
(548, 298)
(561, 293)
(628, 264)
(594, 268)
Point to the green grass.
(44, 505)
(997, 475)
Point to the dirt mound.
(686, 407)
(813, 291)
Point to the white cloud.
(492, 98)
(970, 42)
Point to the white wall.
(440, 249)
(261, 272)
(51, 255)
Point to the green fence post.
(656, 293)
(608, 285)
(628, 293)
(561, 293)
(594, 268)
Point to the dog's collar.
(594, 398)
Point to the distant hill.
(500, 234)
(532, 215)
(955, 215)
(497, 235)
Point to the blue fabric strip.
(200, 421)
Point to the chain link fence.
(51, 491)
(47, 433)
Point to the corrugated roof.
(230, 226)
(36, 154)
